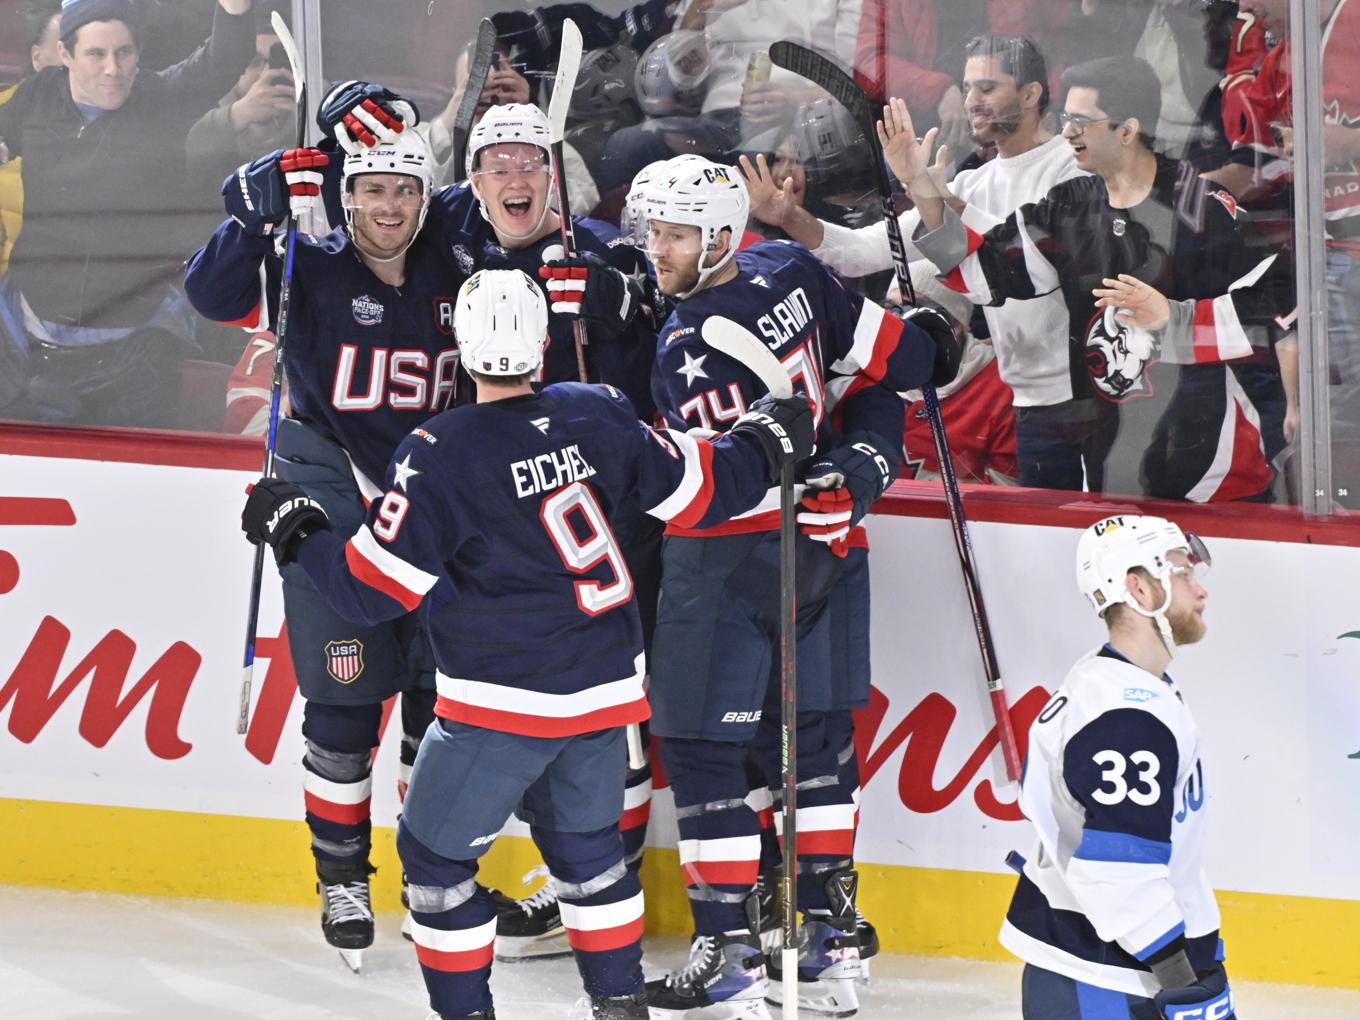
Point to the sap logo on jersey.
(549, 471)
(785, 319)
(1138, 694)
(737, 717)
(367, 312)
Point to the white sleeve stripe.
(1230, 338)
(1043, 277)
(690, 483)
(410, 577)
(867, 329)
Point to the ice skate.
(828, 967)
(724, 979)
(767, 906)
(868, 944)
(531, 928)
(617, 1007)
(347, 919)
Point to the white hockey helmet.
(501, 322)
(697, 193)
(409, 154)
(669, 77)
(502, 125)
(1111, 547)
(632, 204)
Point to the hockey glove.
(948, 347)
(281, 514)
(303, 171)
(586, 286)
(783, 428)
(359, 115)
(842, 485)
(1209, 998)
(256, 195)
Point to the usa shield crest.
(345, 660)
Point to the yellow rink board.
(1297, 939)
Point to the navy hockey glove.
(948, 347)
(842, 485)
(783, 427)
(588, 287)
(260, 195)
(359, 115)
(1209, 998)
(281, 514)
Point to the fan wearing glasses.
(1140, 218)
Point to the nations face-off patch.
(345, 660)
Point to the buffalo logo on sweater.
(345, 660)
(1116, 357)
(367, 312)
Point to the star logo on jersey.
(693, 368)
(912, 466)
(403, 472)
(541, 424)
(367, 312)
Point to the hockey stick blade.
(821, 70)
(740, 344)
(483, 54)
(564, 83)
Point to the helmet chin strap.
(705, 273)
(1158, 616)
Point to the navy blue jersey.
(623, 360)
(831, 341)
(366, 362)
(496, 515)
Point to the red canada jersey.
(980, 423)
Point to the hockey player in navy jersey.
(713, 651)
(1114, 915)
(370, 355)
(496, 517)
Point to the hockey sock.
(453, 926)
(601, 902)
(637, 811)
(417, 712)
(719, 834)
(338, 780)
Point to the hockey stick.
(821, 71)
(564, 83)
(275, 396)
(740, 344)
(478, 71)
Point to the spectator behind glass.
(1126, 219)
(40, 19)
(1005, 82)
(721, 48)
(256, 116)
(91, 331)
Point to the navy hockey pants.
(466, 783)
(1049, 996)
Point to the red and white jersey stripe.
(382, 569)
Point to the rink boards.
(123, 582)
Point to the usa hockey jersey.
(819, 330)
(497, 516)
(1114, 784)
(366, 362)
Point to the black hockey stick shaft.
(276, 389)
(479, 70)
(823, 72)
(788, 728)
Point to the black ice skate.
(347, 915)
(828, 954)
(531, 928)
(724, 979)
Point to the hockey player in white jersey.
(1114, 915)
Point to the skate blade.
(552, 946)
(863, 971)
(836, 998)
(732, 1009)
(354, 958)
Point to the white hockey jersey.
(1114, 785)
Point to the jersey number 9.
(582, 554)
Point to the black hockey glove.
(783, 427)
(256, 194)
(281, 514)
(359, 115)
(842, 485)
(948, 348)
(1209, 998)
(586, 286)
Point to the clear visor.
(660, 239)
(1198, 560)
(368, 192)
(505, 166)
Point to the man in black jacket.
(90, 330)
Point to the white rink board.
(156, 553)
